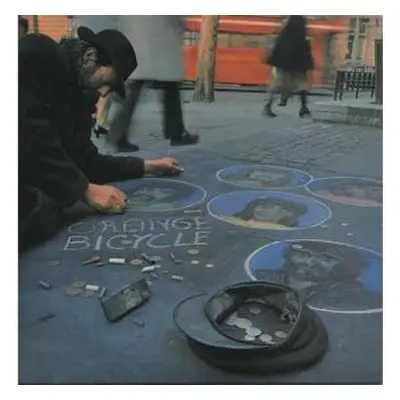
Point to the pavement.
(78, 345)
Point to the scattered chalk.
(116, 260)
(148, 269)
(44, 285)
(92, 288)
(138, 322)
(91, 260)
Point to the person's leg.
(284, 99)
(271, 95)
(173, 117)
(119, 126)
(304, 110)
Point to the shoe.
(123, 146)
(304, 111)
(268, 112)
(186, 139)
(99, 130)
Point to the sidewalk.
(343, 243)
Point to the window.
(363, 24)
(248, 41)
(223, 39)
(191, 38)
(350, 43)
(353, 24)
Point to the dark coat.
(292, 51)
(56, 155)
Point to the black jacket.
(56, 154)
(291, 55)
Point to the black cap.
(113, 44)
(293, 335)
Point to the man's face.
(271, 212)
(95, 76)
(306, 265)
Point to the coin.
(265, 338)
(78, 284)
(281, 334)
(126, 242)
(252, 331)
(231, 320)
(55, 263)
(73, 291)
(243, 323)
(195, 262)
(193, 251)
(255, 310)
(136, 261)
(209, 265)
(248, 338)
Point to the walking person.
(158, 43)
(292, 61)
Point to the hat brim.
(229, 355)
(87, 35)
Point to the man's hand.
(105, 199)
(163, 167)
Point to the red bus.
(243, 41)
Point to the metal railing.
(354, 81)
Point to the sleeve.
(43, 162)
(100, 168)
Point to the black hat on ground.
(253, 327)
(113, 44)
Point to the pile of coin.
(251, 332)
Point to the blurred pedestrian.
(292, 61)
(158, 42)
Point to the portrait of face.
(160, 196)
(148, 195)
(269, 178)
(328, 275)
(314, 264)
(359, 192)
(309, 266)
(277, 211)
